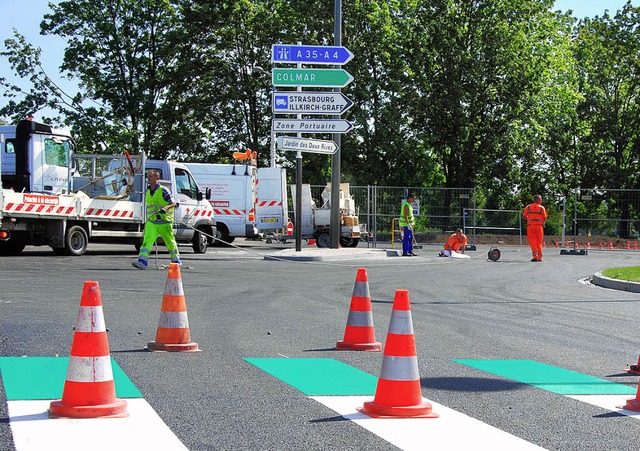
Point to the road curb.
(615, 284)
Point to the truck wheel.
(11, 247)
(200, 241)
(222, 234)
(349, 242)
(323, 240)
(76, 241)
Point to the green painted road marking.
(549, 377)
(316, 377)
(35, 378)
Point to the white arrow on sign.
(308, 102)
(311, 125)
(307, 145)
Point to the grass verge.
(628, 273)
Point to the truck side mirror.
(207, 194)
(200, 196)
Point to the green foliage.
(504, 95)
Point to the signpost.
(314, 78)
(328, 103)
(308, 102)
(310, 54)
(307, 145)
(311, 125)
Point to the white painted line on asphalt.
(143, 429)
(609, 402)
(451, 431)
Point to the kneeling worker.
(456, 243)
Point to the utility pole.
(335, 160)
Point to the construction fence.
(585, 217)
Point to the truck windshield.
(185, 184)
(57, 152)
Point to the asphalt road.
(241, 305)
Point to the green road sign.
(320, 78)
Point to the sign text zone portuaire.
(315, 54)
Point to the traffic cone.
(635, 245)
(628, 246)
(89, 390)
(634, 368)
(557, 245)
(173, 327)
(610, 244)
(311, 242)
(601, 245)
(588, 244)
(633, 403)
(398, 392)
(359, 334)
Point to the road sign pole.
(299, 190)
(335, 160)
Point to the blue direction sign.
(310, 102)
(311, 54)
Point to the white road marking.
(609, 402)
(451, 431)
(143, 429)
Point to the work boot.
(140, 264)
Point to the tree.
(475, 64)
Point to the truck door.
(50, 169)
(187, 197)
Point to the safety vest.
(535, 214)
(154, 203)
(403, 223)
(454, 244)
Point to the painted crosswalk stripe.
(548, 377)
(343, 389)
(30, 383)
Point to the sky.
(25, 16)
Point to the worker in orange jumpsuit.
(456, 243)
(535, 215)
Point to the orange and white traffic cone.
(359, 335)
(633, 403)
(311, 242)
(398, 392)
(601, 245)
(628, 245)
(588, 244)
(173, 327)
(634, 368)
(635, 245)
(610, 244)
(89, 390)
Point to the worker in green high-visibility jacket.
(160, 206)
(406, 222)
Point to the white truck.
(54, 197)
(246, 200)
(316, 221)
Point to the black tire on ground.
(200, 242)
(349, 242)
(323, 240)
(76, 241)
(222, 234)
(12, 247)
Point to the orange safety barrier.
(89, 390)
(398, 393)
(173, 333)
(359, 334)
